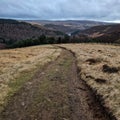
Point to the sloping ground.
(13, 30)
(103, 29)
(63, 28)
(55, 93)
(100, 68)
(19, 65)
(68, 26)
(103, 33)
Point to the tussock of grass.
(99, 66)
(109, 69)
(93, 61)
(19, 65)
(100, 81)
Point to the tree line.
(54, 40)
(39, 41)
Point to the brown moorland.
(100, 68)
(19, 65)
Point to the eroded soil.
(55, 93)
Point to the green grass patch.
(17, 83)
(52, 94)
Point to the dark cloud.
(107, 10)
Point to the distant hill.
(27, 33)
(13, 30)
(103, 33)
(68, 26)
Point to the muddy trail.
(55, 93)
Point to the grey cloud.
(61, 9)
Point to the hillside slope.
(100, 67)
(68, 26)
(54, 92)
(12, 30)
(104, 33)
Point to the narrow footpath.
(55, 93)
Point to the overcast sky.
(102, 10)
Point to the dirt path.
(56, 93)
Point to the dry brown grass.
(100, 68)
(25, 60)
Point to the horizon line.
(73, 19)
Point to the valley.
(60, 60)
(46, 75)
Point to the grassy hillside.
(103, 33)
(100, 68)
(19, 65)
